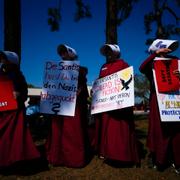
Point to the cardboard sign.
(7, 100)
(112, 92)
(59, 89)
(168, 103)
(166, 80)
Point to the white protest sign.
(168, 103)
(59, 89)
(115, 91)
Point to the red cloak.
(115, 132)
(16, 143)
(66, 144)
(163, 137)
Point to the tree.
(117, 12)
(83, 11)
(111, 21)
(31, 86)
(163, 30)
(12, 26)
(142, 91)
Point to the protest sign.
(115, 91)
(59, 89)
(166, 81)
(7, 100)
(168, 102)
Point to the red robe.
(16, 143)
(163, 137)
(66, 144)
(115, 132)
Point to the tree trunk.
(111, 21)
(12, 26)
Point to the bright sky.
(86, 37)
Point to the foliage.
(124, 9)
(163, 30)
(31, 86)
(54, 18)
(142, 88)
(116, 12)
(83, 11)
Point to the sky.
(39, 44)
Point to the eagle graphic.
(126, 83)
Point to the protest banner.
(115, 91)
(59, 89)
(168, 102)
(166, 81)
(7, 100)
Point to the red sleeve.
(147, 64)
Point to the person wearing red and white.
(16, 143)
(67, 143)
(163, 139)
(115, 138)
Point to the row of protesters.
(114, 140)
(163, 138)
(16, 143)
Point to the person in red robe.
(68, 141)
(16, 143)
(163, 140)
(115, 139)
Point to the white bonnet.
(71, 52)
(12, 57)
(163, 43)
(114, 47)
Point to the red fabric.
(163, 137)
(16, 143)
(113, 67)
(166, 80)
(66, 145)
(7, 100)
(115, 134)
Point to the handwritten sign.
(166, 80)
(7, 100)
(59, 89)
(168, 103)
(112, 92)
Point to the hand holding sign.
(176, 73)
(163, 50)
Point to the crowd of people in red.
(69, 142)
